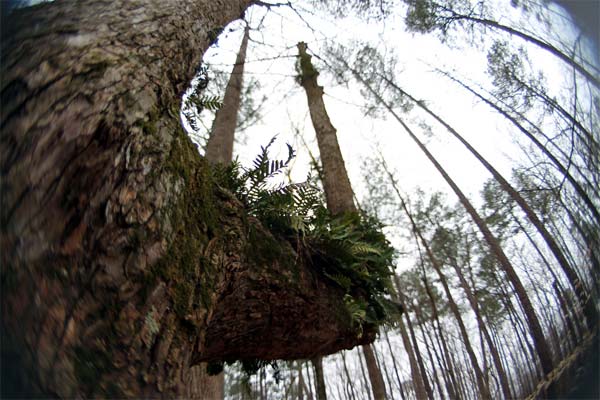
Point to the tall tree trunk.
(219, 148)
(543, 350)
(363, 375)
(201, 385)
(449, 377)
(415, 346)
(85, 119)
(310, 385)
(300, 381)
(377, 384)
(349, 382)
(422, 323)
(585, 136)
(483, 389)
(395, 365)
(317, 363)
(386, 373)
(567, 311)
(338, 191)
(484, 331)
(417, 379)
(116, 277)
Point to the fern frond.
(362, 248)
(211, 102)
(342, 280)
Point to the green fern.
(348, 249)
(200, 103)
(211, 102)
(357, 309)
(362, 248)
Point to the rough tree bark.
(123, 263)
(338, 191)
(219, 149)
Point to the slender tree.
(443, 241)
(219, 148)
(375, 376)
(417, 378)
(511, 81)
(395, 365)
(301, 383)
(483, 389)
(451, 384)
(321, 389)
(557, 163)
(415, 347)
(338, 191)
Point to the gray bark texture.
(123, 263)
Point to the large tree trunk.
(219, 148)
(123, 262)
(338, 191)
